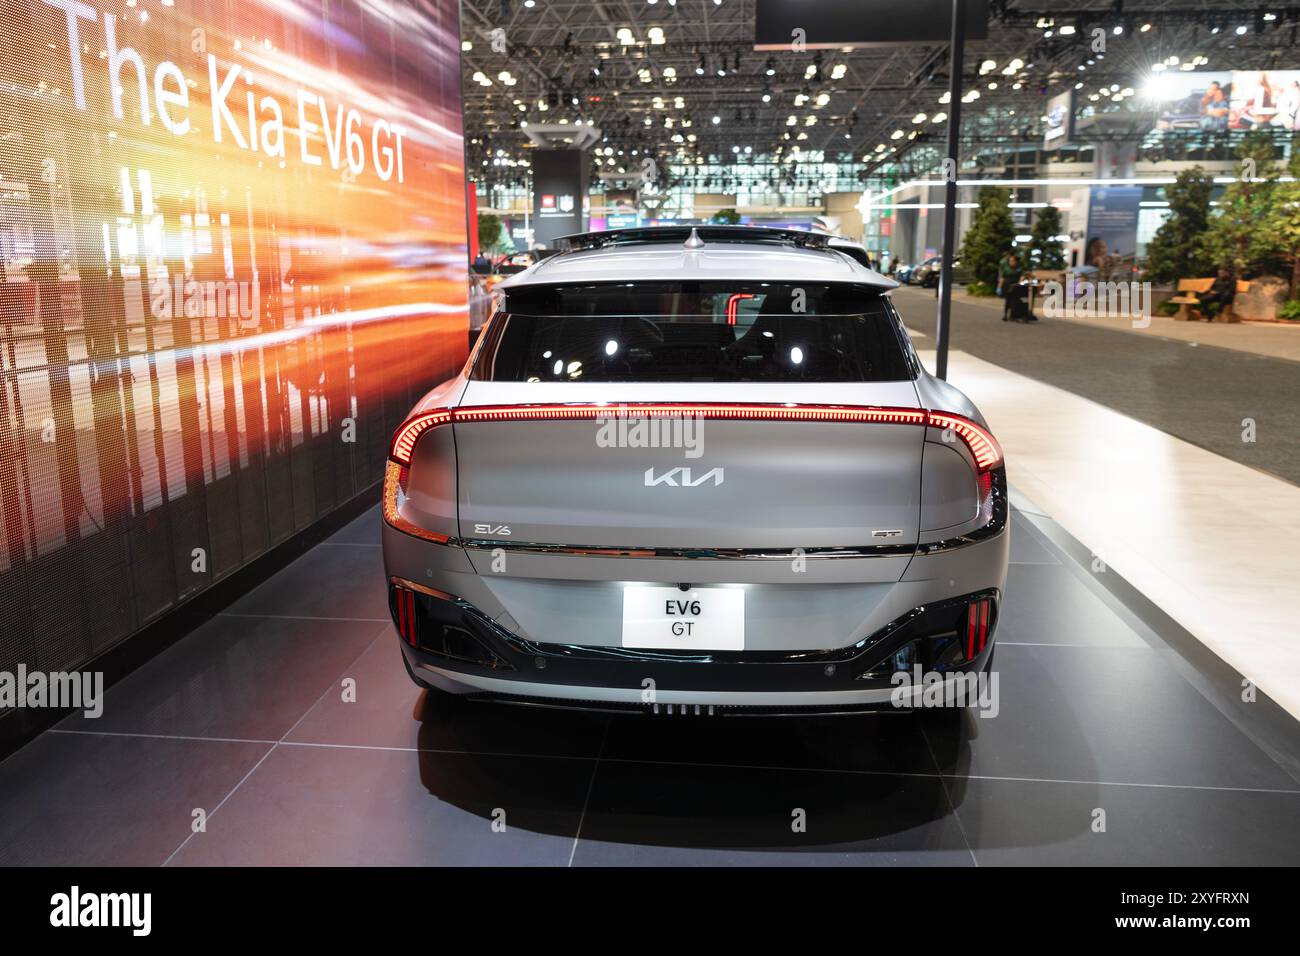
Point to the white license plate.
(701, 619)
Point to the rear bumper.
(452, 645)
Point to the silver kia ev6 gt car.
(694, 468)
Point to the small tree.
(990, 235)
(1044, 247)
(1235, 237)
(726, 217)
(489, 232)
(1175, 250)
(1283, 220)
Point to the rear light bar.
(982, 445)
(395, 478)
(978, 618)
(404, 600)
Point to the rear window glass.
(694, 332)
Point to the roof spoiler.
(683, 234)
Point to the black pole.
(950, 188)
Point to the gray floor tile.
(1027, 546)
(886, 741)
(655, 815)
(1049, 605)
(233, 677)
(324, 582)
(1048, 824)
(83, 800)
(390, 711)
(362, 530)
(329, 806)
(1102, 714)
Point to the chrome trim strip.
(718, 554)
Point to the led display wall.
(232, 254)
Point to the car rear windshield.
(694, 332)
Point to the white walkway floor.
(1214, 544)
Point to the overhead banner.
(1112, 227)
(823, 24)
(1059, 129)
(1265, 98)
(1223, 100)
(559, 194)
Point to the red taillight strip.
(983, 447)
(404, 440)
(970, 630)
(406, 615)
(410, 617)
(724, 411)
(978, 613)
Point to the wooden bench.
(1188, 299)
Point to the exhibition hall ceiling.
(683, 79)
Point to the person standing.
(1008, 275)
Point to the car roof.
(706, 253)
